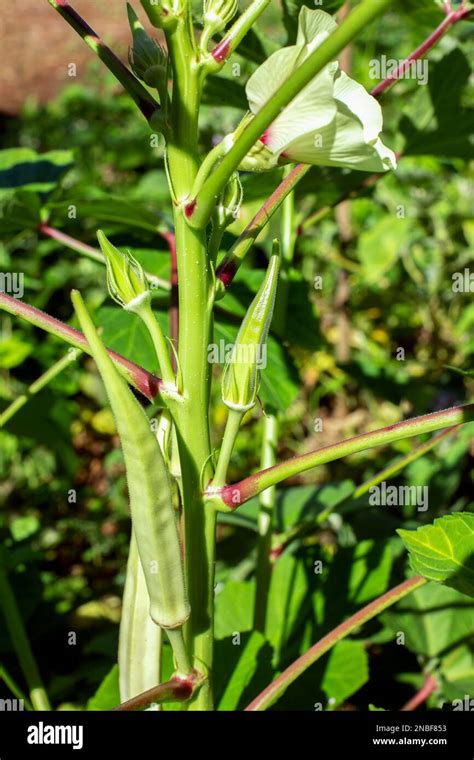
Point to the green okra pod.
(241, 377)
(153, 517)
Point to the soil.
(38, 46)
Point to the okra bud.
(218, 13)
(241, 377)
(146, 57)
(228, 207)
(153, 518)
(126, 279)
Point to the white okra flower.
(241, 376)
(333, 121)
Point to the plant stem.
(94, 253)
(14, 688)
(195, 324)
(237, 32)
(180, 652)
(200, 209)
(429, 687)
(21, 644)
(148, 385)
(229, 265)
(452, 18)
(144, 311)
(144, 100)
(233, 495)
(36, 387)
(269, 695)
(234, 419)
(175, 690)
(265, 524)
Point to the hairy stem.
(148, 385)
(269, 695)
(233, 495)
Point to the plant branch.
(36, 387)
(200, 208)
(148, 385)
(234, 36)
(21, 644)
(144, 100)
(429, 687)
(95, 254)
(269, 695)
(229, 265)
(232, 496)
(451, 18)
(175, 690)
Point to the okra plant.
(304, 110)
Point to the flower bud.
(228, 208)
(126, 279)
(241, 377)
(218, 13)
(146, 57)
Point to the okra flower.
(241, 377)
(333, 121)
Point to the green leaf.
(444, 552)
(292, 8)
(19, 211)
(288, 589)
(126, 334)
(234, 608)
(13, 352)
(433, 619)
(380, 246)
(457, 672)
(436, 122)
(251, 654)
(112, 209)
(347, 670)
(222, 90)
(107, 695)
(40, 172)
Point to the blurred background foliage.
(374, 340)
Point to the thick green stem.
(195, 324)
(269, 695)
(21, 644)
(364, 14)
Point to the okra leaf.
(20, 210)
(427, 124)
(107, 695)
(347, 670)
(111, 209)
(457, 673)
(433, 619)
(219, 90)
(253, 654)
(444, 551)
(288, 589)
(234, 608)
(38, 172)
